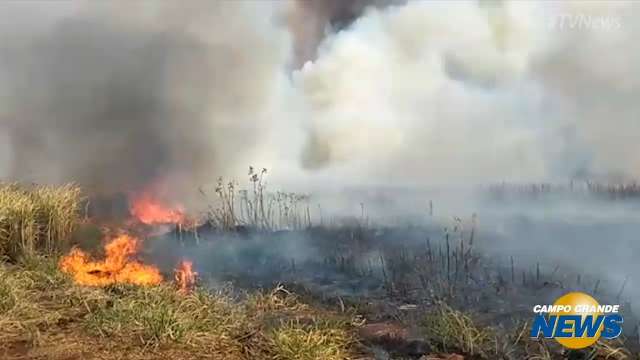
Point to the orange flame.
(151, 211)
(117, 267)
(185, 276)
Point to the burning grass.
(38, 303)
(151, 211)
(185, 277)
(36, 219)
(117, 266)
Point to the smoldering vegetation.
(529, 245)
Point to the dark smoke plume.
(116, 105)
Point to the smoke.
(311, 20)
(465, 93)
(341, 92)
(471, 92)
(118, 101)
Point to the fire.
(117, 267)
(151, 211)
(185, 276)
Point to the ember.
(185, 276)
(117, 267)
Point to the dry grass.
(40, 308)
(448, 329)
(297, 331)
(318, 339)
(36, 219)
(610, 350)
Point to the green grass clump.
(8, 298)
(448, 329)
(36, 219)
(294, 330)
(159, 315)
(310, 340)
(42, 307)
(35, 296)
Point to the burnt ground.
(530, 249)
(390, 276)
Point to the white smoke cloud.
(465, 92)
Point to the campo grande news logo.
(576, 321)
